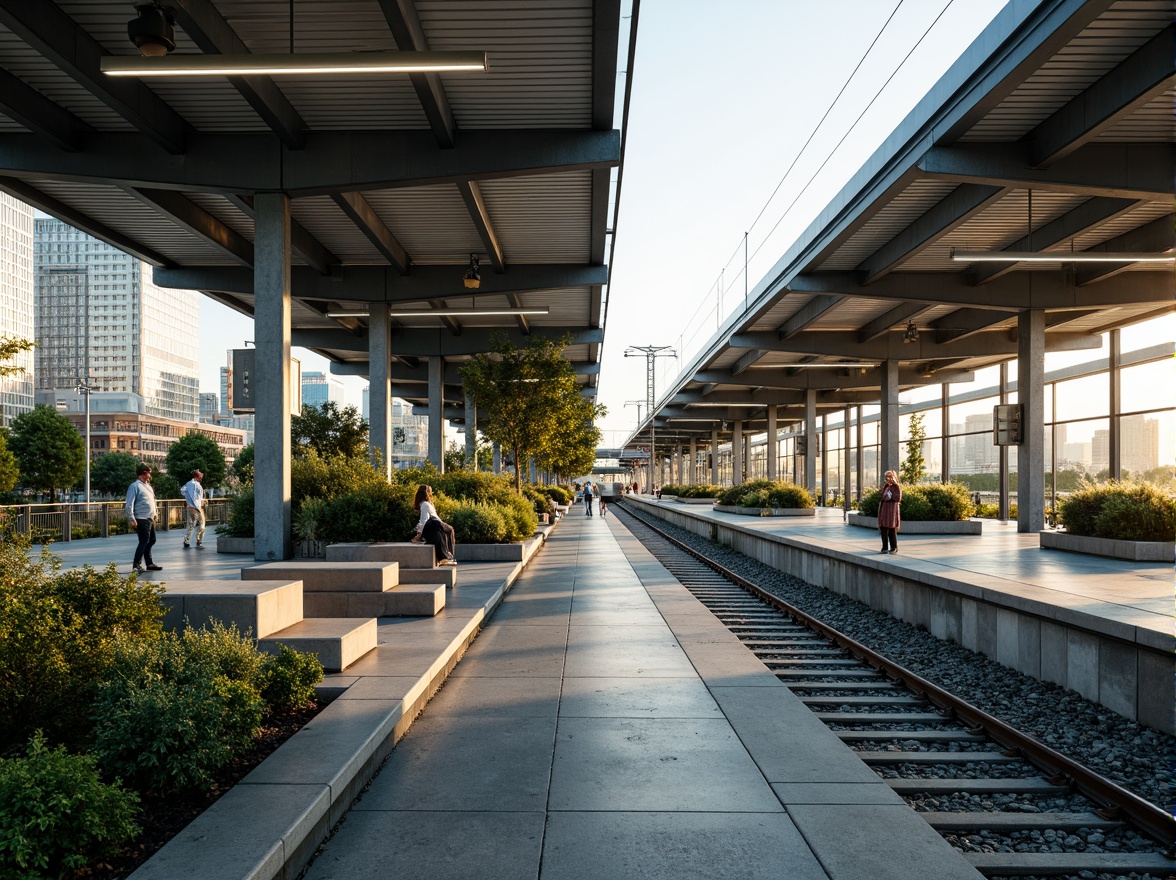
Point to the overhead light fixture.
(153, 30)
(472, 278)
(1060, 257)
(911, 333)
(302, 64)
(928, 371)
(837, 366)
(451, 313)
(717, 403)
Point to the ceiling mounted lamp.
(302, 64)
(928, 371)
(472, 279)
(840, 365)
(911, 333)
(1060, 257)
(153, 30)
(450, 313)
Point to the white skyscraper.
(16, 302)
(98, 314)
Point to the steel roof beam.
(301, 241)
(364, 216)
(819, 379)
(1122, 170)
(970, 321)
(43, 201)
(331, 162)
(845, 344)
(409, 35)
(1155, 236)
(209, 30)
(747, 360)
(606, 20)
(958, 207)
(1074, 222)
(186, 214)
(423, 342)
(896, 317)
(1017, 290)
(24, 104)
(58, 38)
(808, 314)
(1140, 78)
(366, 284)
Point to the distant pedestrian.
(603, 506)
(141, 517)
(587, 499)
(193, 492)
(432, 528)
(889, 513)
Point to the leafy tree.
(9, 472)
(576, 451)
(196, 451)
(113, 472)
(243, 465)
(10, 347)
(48, 449)
(914, 466)
(529, 396)
(329, 430)
(456, 460)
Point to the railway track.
(1013, 806)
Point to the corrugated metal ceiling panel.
(432, 223)
(542, 219)
(1150, 123)
(326, 221)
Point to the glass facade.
(16, 303)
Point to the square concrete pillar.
(1031, 395)
(810, 440)
(693, 472)
(773, 430)
(737, 454)
(437, 413)
(380, 387)
(471, 432)
(889, 455)
(714, 457)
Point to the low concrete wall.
(225, 544)
(910, 527)
(1134, 551)
(696, 500)
(767, 511)
(1126, 668)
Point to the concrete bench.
(260, 606)
(338, 641)
(408, 554)
(405, 600)
(330, 577)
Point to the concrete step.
(405, 600)
(330, 577)
(338, 641)
(442, 574)
(260, 606)
(407, 553)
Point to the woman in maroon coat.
(889, 517)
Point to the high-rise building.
(1100, 450)
(209, 407)
(1140, 439)
(224, 392)
(99, 315)
(16, 303)
(319, 388)
(367, 402)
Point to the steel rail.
(1116, 801)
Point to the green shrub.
(475, 486)
(376, 513)
(288, 679)
(477, 523)
(309, 519)
(868, 506)
(767, 493)
(784, 494)
(948, 502)
(540, 501)
(914, 506)
(520, 519)
(700, 492)
(240, 519)
(56, 815)
(1122, 511)
(671, 489)
(170, 712)
(58, 633)
(992, 511)
(559, 494)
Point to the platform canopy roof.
(395, 180)
(1052, 133)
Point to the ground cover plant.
(699, 491)
(1121, 511)
(929, 502)
(767, 494)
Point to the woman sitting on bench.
(431, 528)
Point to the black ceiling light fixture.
(472, 278)
(911, 333)
(153, 31)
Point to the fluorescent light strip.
(853, 364)
(309, 63)
(449, 313)
(1059, 257)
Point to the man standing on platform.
(587, 499)
(141, 517)
(193, 493)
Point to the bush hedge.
(767, 494)
(929, 502)
(1121, 511)
(699, 491)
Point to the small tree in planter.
(914, 466)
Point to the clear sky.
(724, 98)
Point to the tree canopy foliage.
(329, 430)
(9, 471)
(530, 402)
(48, 449)
(196, 451)
(243, 464)
(113, 472)
(914, 466)
(10, 347)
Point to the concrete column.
(496, 458)
(437, 413)
(1031, 394)
(380, 387)
(889, 455)
(471, 432)
(810, 440)
(846, 481)
(714, 457)
(825, 487)
(271, 333)
(944, 430)
(1115, 438)
(737, 454)
(861, 457)
(1003, 453)
(747, 453)
(693, 476)
(773, 444)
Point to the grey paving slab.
(636, 698)
(381, 687)
(467, 763)
(517, 651)
(660, 765)
(509, 696)
(379, 845)
(847, 838)
(607, 651)
(876, 792)
(674, 846)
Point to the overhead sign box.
(242, 382)
(1007, 424)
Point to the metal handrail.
(73, 521)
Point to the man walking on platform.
(587, 499)
(193, 493)
(141, 517)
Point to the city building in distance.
(16, 303)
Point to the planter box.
(310, 549)
(489, 552)
(225, 544)
(767, 511)
(929, 527)
(696, 500)
(667, 497)
(1135, 551)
